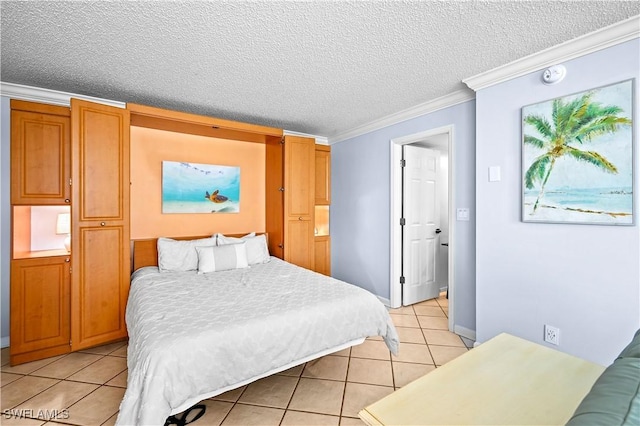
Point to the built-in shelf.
(40, 253)
(35, 232)
(322, 221)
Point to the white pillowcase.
(177, 255)
(221, 258)
(223, 239)
(257, 250)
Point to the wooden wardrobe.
(78, 156)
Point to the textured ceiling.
(319, 67)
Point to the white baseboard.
(385, 302)
(465, 332)
(4, 342)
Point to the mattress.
(193, 336)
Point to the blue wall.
(583, 279)
(360, 205)
(5, 217)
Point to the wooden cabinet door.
(100, 223)
(39, 308)
(299, 185)
(274, 195)
(322, 254)
(40, 154)
(323, 175)
(298, 243)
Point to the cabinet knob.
(66, 200)
(300, 218)
(280, 245)
(67, 260)
(102, 224)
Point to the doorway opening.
(440, 140)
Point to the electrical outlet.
(551, 334)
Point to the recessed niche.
(322, 221)
(38, 231)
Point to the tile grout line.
(101, 356)
(234, 404)
(66, 377)
(27, 374)
(66, 407)
(59, 358)
(344, 387)
(33, 396)
(292, 393)
(84, 397)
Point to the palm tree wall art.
(578, 158)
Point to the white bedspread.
(190, 334)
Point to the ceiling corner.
(617, 33)
(454, 98)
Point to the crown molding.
(442, 102)
(320, 140)
(48, 96)
(601, 39)
(56, 97)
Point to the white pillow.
(176, 255)
(221, 258)
(257, 250)
(223, 239)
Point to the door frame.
(395, 146)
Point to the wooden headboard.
(145, 252)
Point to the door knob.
(438, 230)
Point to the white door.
(421, 213)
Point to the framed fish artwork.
(200, 188)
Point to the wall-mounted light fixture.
(554, 74)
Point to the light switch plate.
(494, 174)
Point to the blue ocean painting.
(596, 205)
(200, 188)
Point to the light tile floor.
(85, 388)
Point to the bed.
(196, 335)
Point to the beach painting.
(200, 188)
(577, 158)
